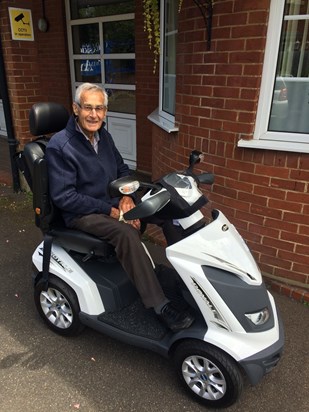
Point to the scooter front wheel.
(210, 376)
(58, 306)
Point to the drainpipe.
(8, 121)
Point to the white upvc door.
(102, 51)
(124, 132)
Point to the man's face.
(89, 119)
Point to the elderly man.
(82, 161)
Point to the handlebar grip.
(206, 178)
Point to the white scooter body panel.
(243, 345)
(63, 266)
(219, 245)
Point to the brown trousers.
(129, 251)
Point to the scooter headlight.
(259, 318)
(129, 188)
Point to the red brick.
(272, 171)
(277, 263)
(290, 185)
(300, 175)
(265, 250)
(294, 256)
(249, 5)
(304, 230)
(258, 17)
(298, 197)
(302, 249)
(233, 19)
(289, 275)
(278, 244)
(306, 297)
(266, 212)
(278, 224)
(293, 218)
(298, 294)
(250, 30)
(300, 268)
(287, 206)
(273, 195)
(286, 290)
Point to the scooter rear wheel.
(58, 306)
(210, 376)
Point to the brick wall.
(147, 90)
(36, 70)
(264, 193)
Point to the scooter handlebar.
(206, 178)
(149, 206)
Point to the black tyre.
(58, 306)
(210, 376)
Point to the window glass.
(82, 9)
(290, 100)
(168, 69)
(119, 71)
(119, 37)
(122, 101)
(86, 39)
(88, 70)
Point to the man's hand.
(115, 214)
(126, 203)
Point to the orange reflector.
(37, 211)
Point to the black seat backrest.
(47, 215)
(44, 118)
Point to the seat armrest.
(81, 242)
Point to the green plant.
(152, 27)
(151, 12)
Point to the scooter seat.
(46, 118)
(81, 242)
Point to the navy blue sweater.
(78, 176)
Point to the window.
(283, 111)
(101, 37)
(164, 116)
(168, 59)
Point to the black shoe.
(175, 319)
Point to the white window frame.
(73, 57)
(263, 138)
(160, 117)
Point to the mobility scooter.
(78, 282)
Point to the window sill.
(274, 145)
(165, 124)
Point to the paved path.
(41, 371)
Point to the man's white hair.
(89, 87)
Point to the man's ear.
(75, 109)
